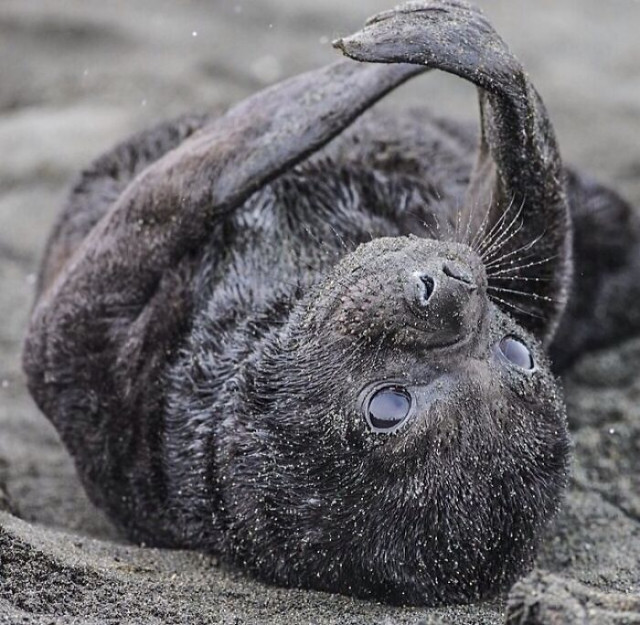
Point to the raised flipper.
(100, 185)
(104, 330)
(526, 239)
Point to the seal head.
(400, 437)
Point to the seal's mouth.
(457, 343)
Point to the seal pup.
(317, 346)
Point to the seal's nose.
(443, 296)
(425, 288)
(451, 271)
(460, 273)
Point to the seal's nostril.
(459, 273)
(428, 285)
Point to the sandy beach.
(77, 76)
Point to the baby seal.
(317, 346)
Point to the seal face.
(317, 346)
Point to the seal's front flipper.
(114, 311)
(526, 241)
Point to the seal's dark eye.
(388, 408)
(516, 352)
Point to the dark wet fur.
(211, 404)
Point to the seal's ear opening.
(524, 236)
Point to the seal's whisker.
(524, 257)
(494, 249)
(428, 227)
(478, 238)
(471, 214)
(450, 232)
(490, 242)
(496, 228)
(505, 236)
(463, 222)
(516, 308)
(508, 270)
(521, 293)
(456, 233)
(524, 248)
(519, 278)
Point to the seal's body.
(326, 361)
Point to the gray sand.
(77, 76)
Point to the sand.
(75, 77)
